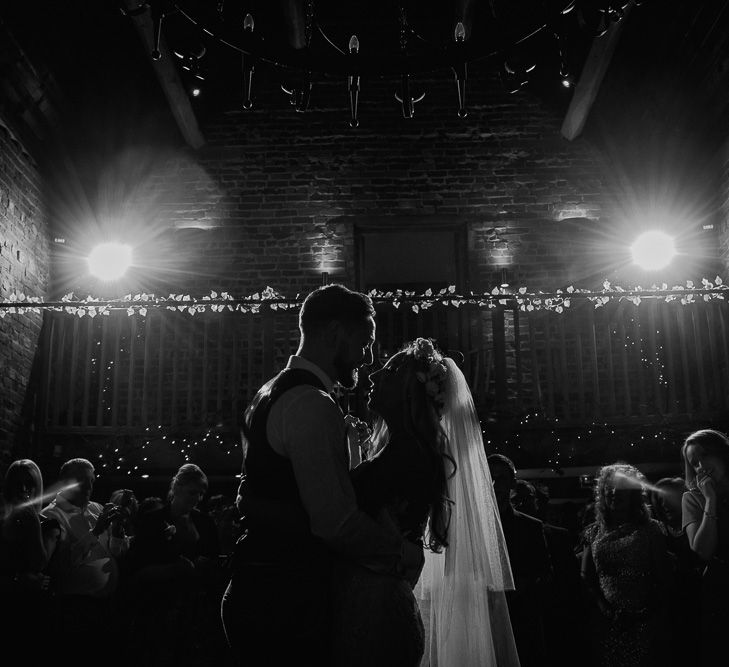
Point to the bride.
(429, 476)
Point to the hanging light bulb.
(248, 65)
(459, 34)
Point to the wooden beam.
(593, 72)
(168, 76)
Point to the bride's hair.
(424, 374)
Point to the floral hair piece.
(434, 375)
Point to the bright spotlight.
(109, 261)
(653, 250)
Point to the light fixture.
(311, 41)
(110, 261)
(653, 250)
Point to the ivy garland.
(525, 300)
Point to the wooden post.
(498, 331)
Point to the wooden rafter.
(169, 78)
(593, 72)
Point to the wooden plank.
(268, 339)
(205, 376)
(101, 370)
(220, 387)
(175, 367)
(624, 362)
(499, 339)
(168, 77)
(536, 385)
(161, 368)
(611, 338)
(146, 366)
(116, 342)
(191, 349)
(86, 407)
(58, 370)
(714, 355)
(580, 368)
(669, 350)
(131, 371)
(454, 338)
(639, 363)
(724, 327)
(72, 370)
(518, 359)
(549, 367)
(594, 365)
(591, 76)
(653, 356)
(50, 325)
(235, 366)
(252, 385)
(700, 356)
(683, 344)
(564, 381)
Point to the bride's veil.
(466, 583)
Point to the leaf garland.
(557, 301)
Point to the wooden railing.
(619, 363)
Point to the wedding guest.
(627, 571)
(128, 504)
(156, 603)
(83, 567)
(26, 539)
(196, 536)
(530, 564)
(665, 501)
(563, 606)
(705, 508)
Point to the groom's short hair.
(334, 303)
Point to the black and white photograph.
(387, 333)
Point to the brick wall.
(24, 268)
(281, 192)
(723, 217)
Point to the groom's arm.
(306, 426)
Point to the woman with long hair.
(705, 510)
(429, 476)
(26, 541)
(627, 571)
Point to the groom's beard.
(347, 375)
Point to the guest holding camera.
(83, 565)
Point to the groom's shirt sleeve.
(307, 427)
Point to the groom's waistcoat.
(278, 526)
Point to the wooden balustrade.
(619, 363)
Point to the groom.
(296, 495)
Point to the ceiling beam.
(593, 72)
(168, 76)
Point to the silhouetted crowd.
(639, 577)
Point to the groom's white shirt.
(306, 426)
